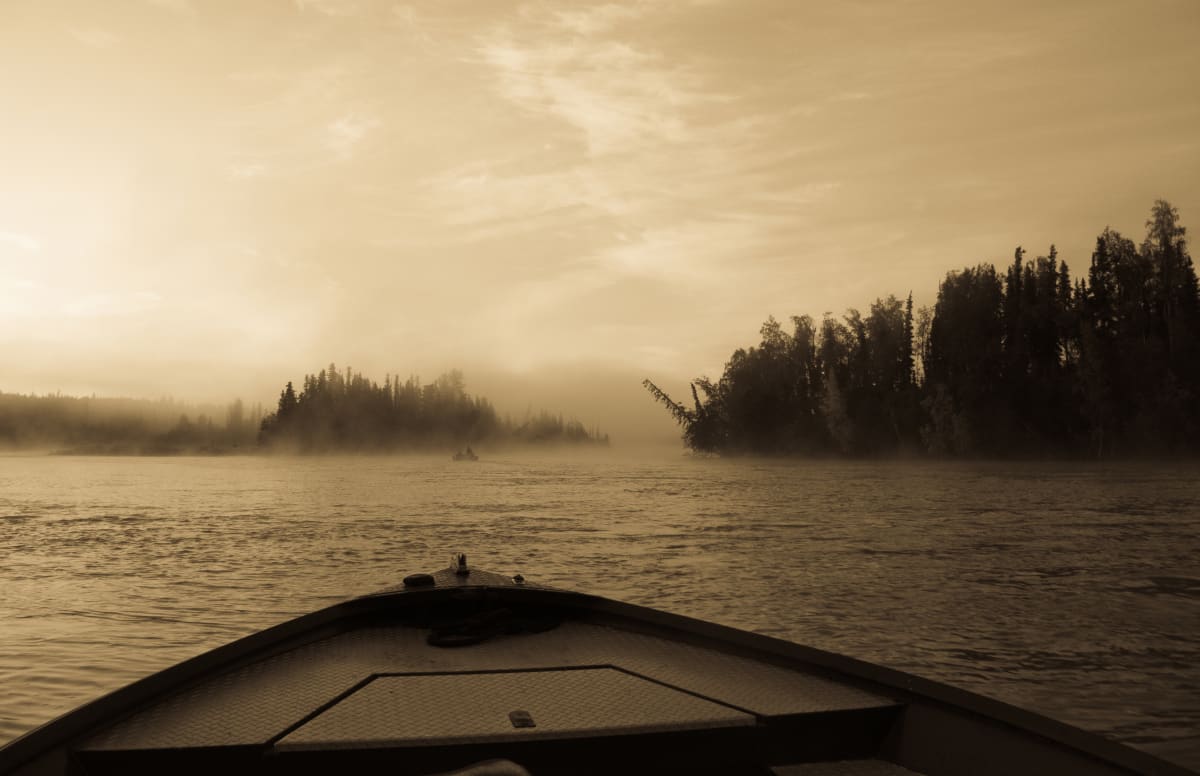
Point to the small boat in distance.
(466, 455)
(464, 667)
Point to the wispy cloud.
(330, 7)
(247, 170)
(405, 14)
(175, 6)
(616, 95)
(687, 252)
(673, 179)
(596, 71)
(24, 242)
(481, 193)
(99, 305)
(622, 106)
(597, 19)
(343, 135)
(94, 37)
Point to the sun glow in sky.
(206, 198)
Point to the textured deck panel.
(474, 708)
(254, 704)
(249, 705)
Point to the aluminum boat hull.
(456, 669)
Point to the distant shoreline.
(682, 453)
(334, 411)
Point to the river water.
(1070, 589)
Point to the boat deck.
(386, 687)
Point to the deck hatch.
(461, 708)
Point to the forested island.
(1018, 361)
(335, 411)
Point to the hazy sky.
(208, 198)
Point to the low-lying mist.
(578, 412)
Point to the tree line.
(332, 411)
(1015, 361)
(120, 426)
(342, 411)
